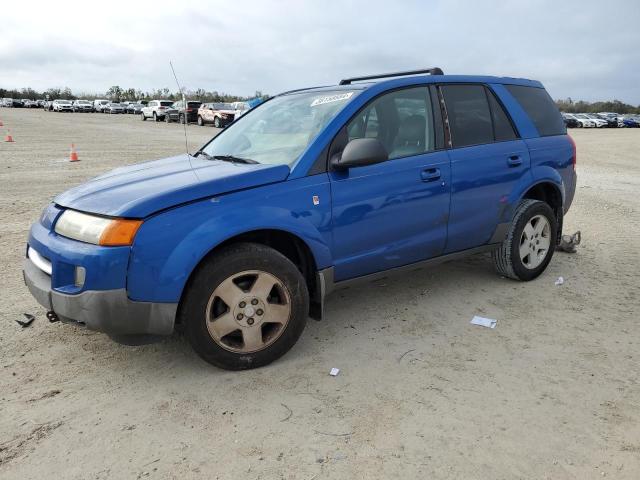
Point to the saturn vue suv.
(239, 243)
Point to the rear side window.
(469, 114)
(502, 128)
(541, 109)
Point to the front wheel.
(200, 121)
(216, 122)
(245, 307)
(155, 117)
(530, 243)
(181, 119)
(142, 117)
(167, 118)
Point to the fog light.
(79, 276)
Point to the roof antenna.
(184, 105)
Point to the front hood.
(140, 190)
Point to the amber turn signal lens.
(120, 232)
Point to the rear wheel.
(142, 117)
(530, 244)
(245, 307)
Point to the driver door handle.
(430, 174)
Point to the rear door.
(488, 159)
(395, 212)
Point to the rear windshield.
(194, 104)
(166, 103)
(541, 109)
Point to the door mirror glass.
(360, 152)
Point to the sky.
(584, 49)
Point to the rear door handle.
(430, 174)
(514, 161)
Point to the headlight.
(97, 230)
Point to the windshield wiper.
(234, 159)
(204, 154)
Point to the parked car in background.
(178, 112)
(82, 106)
(134, 108)
(155, 109)
(17, 103)
(599, 122)
(28, 103)
(99, 104)
(630, 121)
(113, 107)
(316, 190)
(218, 114)
(41, 102)
(583, 122)
(62, 106)
(569, 121)
(239, 109)
(612, 121)
(7, 102)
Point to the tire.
(142, 117)
(240, 348)
(167, 118)
(200, 121)
(181, 119)
(216, 122)
(155, 117)
(511, 259)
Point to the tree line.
(120, 94)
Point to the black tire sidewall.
(537, 208)
(211, 273)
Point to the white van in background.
(98, 105)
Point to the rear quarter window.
(540, 108)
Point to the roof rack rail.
(430, 71)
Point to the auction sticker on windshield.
(331, 98)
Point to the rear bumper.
(108, 311)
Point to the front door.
(392, 213)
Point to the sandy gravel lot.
(552, 393)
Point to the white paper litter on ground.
(484, 322)
(334, 371)
(560, 281)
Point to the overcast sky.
(581, 49)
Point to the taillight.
(575, 155)
(162, 108)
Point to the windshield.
(64, 102)
(581, 115)
(281, 129)
(222, 106)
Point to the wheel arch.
(283, 241)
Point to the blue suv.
(239, 243)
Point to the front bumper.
(101, 303)
(108, 311)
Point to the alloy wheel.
(248, 311)
(535, 241)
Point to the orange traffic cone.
(8, 138)
(73, 157)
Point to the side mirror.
(360, 152)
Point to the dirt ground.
(552, 392)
